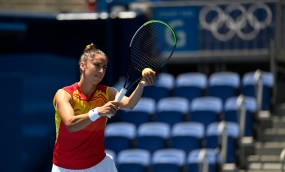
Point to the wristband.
(93, 114)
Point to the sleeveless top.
(84, 148)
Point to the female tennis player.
(81, 113)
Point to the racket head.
(152, 46)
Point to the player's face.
(95, 68)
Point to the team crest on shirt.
(76, 94)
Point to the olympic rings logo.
(235, 26)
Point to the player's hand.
(109, 108)
(148, 78)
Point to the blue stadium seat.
(141, 113)
(248, 87)
(131, 160)
(187, 136)
(212, 138)
(153, 136)
(168, 160)
(200, 156)
(165, 80)
(190, 85)
(223, 85)
(120, 133)
(171, 110)
(116, 118)
(205, 110)
(231, 110)
(162, 87)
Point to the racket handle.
(122, 93)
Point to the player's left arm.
(129, 102)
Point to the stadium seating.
(168, 160)
(190, 85)
(162, 87)
(194, 127)
(205, 110)
(165, 80)
(141, 113)
(116, 117)
(131, 160)
(187, 136)
(153, 136)
(171, 110)
(198, 157)
(231, 113)
(119, 136)
(213, 138)
(223, 85)
(248, 87)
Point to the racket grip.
(122, 93)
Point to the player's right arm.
(72, 122)
(77, 122)
(129, 102)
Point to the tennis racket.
(151, 47)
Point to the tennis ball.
(146, 70)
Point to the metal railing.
(281, 30)
(223, 141)
(282, 160)
(279, 42)
(241, 115)
(277, 52)
(203, 161)
(258, 83)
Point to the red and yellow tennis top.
(85, 148)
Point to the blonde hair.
(90, 50)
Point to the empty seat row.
(186, 136)
(220, 84)
(165, 160)
(205, 110)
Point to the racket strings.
(152, 46)
(143, 62)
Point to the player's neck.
(86, 87)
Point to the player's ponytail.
(90, 47)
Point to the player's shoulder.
(70, 88)
(102, 87)
(61, 95)
(112, 91)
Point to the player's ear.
(82, 65)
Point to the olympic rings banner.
(220, 27)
